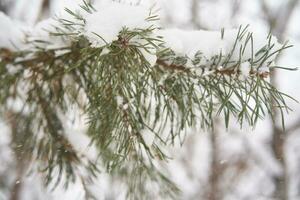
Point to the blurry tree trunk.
(2, 7)
(195, 14)
(44, 10)
(18, 132)
(20, 167)
(19, 138)
(16, 191)
(215, 173)
(281, 181)
(213, 192)
(278, 22)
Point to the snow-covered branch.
(130, 77)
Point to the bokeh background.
(235, 164)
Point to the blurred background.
(235, 164)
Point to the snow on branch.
(11, 33)
(103, 23)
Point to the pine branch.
(134, 86)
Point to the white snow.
(189, 42)
(111, 18)
(150, 56)
(28, 12)
(17, 36)
(103, 26)
(120, 101)
(11, 33)
(210, 43)
(41, 32)
(148, 137)
(104, 51)
(245, 68)
(73, 5)
(264, 69)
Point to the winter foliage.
(138, 86)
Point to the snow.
(120, 101)
(17, 36)
(11, 33)
(111, 18)
(148, 137)
(74, 5)
(211, 43)
(103, 26)
(27, 13)
(263, 69)
(41, 32)
(104, 51)
(189, 42)
(245, 69)
(149, 55)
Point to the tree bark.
(214, 193)
(281, 181)
(278, 22)
(18, 134)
